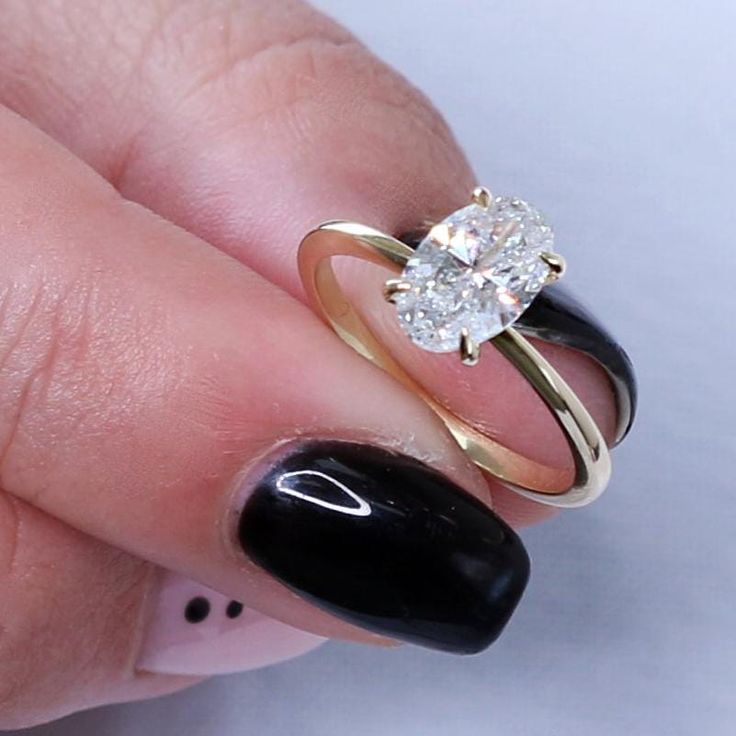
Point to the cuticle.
(244, 480)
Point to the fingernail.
(387, 543)
(557, 316)
(194, 630)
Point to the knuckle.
(317, 92)
(329, 74)
(44, 335)
(281, 64)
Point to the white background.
(618, 119)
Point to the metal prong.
(393, 287)
(482, 196)
(469, 348)
(557, 265)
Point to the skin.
(159, 163)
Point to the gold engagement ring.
(465, 285)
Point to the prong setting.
(469, 348)
(482, 197)
(479, 268)
(557, 265)
(393, 287)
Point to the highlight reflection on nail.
(194, 630)
(282, 484)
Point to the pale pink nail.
(194, 630)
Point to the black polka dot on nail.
(234, 609)
(197, 610)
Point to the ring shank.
(527, 477)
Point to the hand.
(159, 163)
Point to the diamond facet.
(477, 270)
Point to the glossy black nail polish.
(387, 543)
(558, 317)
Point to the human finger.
(162, 397)
(83, 624)
(222, 95)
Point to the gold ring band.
(523, 475)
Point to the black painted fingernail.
(387, 543)
(557, 316)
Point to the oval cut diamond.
(478, 269)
